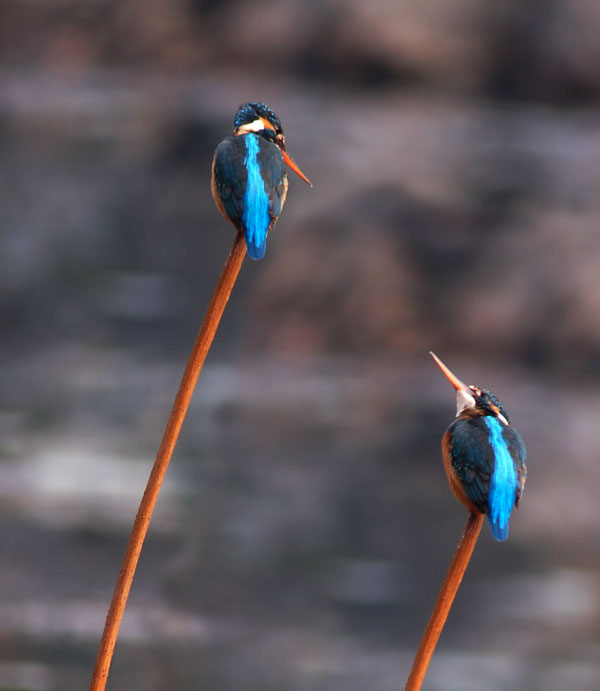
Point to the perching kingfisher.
(484, 456)
(249, 180)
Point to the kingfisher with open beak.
(484, 457)
(249, 179)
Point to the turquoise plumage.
(484, 456)
(249, 179)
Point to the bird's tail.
(256, 243)
(499, 528)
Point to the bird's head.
(261, 120)
(471, 398)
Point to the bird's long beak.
(464, 396)
(452, 378)
(294, 166)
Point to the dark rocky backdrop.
(306, 523)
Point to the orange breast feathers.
(453, 480)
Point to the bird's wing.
(518, 452)
(274, 174)
(229, 178)
(472, 459)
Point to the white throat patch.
(463, 400)
(254, 126)
(502, 418)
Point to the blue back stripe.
(255, 215)
(503, 483)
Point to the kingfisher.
(249, 179)
(484, 457)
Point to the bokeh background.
(306, 524)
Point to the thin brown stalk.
(182, 399)
(448, 591)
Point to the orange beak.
(294, 166)
(452, 378)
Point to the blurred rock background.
(306, 524)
